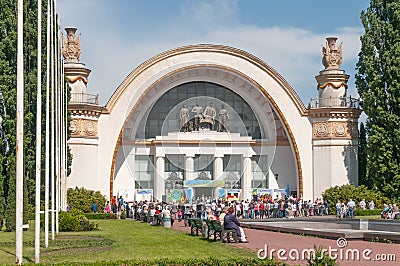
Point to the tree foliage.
(8, 70)
(378, 83)
(362, 158)
(347, 192)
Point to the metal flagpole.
(20, 136)
(38, 133)
(57, 121)
(63, 139)
(47, 164)
(52, 121)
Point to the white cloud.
(294, 52)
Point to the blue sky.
(118, 35)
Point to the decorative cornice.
(334, 112)
(85, 109)
(74, 79)
(335, 85)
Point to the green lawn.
(119, 240)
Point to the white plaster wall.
(84, 169)
(283, 165)
(332, 165)
(111, 124)
(124, 178)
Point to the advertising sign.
(175, 195)
(203, 183)
(128, 195)
(143, 194)
(233, 194)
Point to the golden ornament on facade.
(321, 129)
(340, 130)
(89, 128)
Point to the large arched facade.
(281, 152)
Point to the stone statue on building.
(184, 118)
(209, 115)
(332, 55)
(222, 119)
(198, 114)
(71, 47)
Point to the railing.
(84, 98)
(347, 102)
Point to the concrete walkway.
(291, 248)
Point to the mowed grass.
(118, 240)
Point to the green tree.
(378, 83)
(8, 69)
(362, 158)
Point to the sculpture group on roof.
(203, 120)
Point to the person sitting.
(230, 222)
(210, 215)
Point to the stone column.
(246, 178)
(189, 168)
(218, 172)
(159, 182)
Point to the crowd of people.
(261, 208)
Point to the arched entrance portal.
(261, 145)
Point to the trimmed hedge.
(368, 212)
(100, 216)
(75, 220)
(179, 262)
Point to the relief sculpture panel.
(83, 128)
(333, 129)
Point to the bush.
(98, 216)
(75, 220)
(347, 192)
(82, 199)
(321, 258)
(68, 222)
(368, 212)
(180, 262)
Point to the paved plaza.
(292, 243)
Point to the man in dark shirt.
(230, 222)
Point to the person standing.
(107, 208)
(350, 207)
(94, 208)
(371, 205)
(338, 209)
(362, 204)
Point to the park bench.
(222, 233)
(210, 229)
(196, 226)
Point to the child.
(180, 214)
